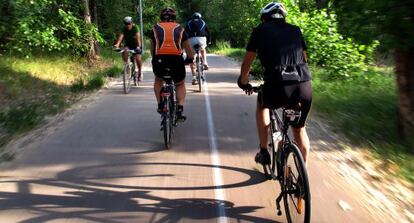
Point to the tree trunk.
(95, 20)
(405, 80)
(87, 17)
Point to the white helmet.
(274, 8)
(128, 20)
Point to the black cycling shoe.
(160, 108)
(181, 117)
(262, 157)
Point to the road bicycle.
(169, 108)
(287, 165)
(199, 66)
(129, 72)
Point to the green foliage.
(113, 71)
(49, 25)
(326, 46)
(95, 82)
(20, 118)
(389, 21)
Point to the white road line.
(215, 159)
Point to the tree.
(393, 23)
(92, 54)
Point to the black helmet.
(196, 15)
(168, 14)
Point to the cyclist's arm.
(152, 48)
(245, 67)
(187, 47)
(305, 56)
(138, 37)
(119, 40)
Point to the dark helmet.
(273, 10)
(196, 15)
(168, 14)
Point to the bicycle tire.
(127, 78)
(199, 72)
(166, 124)
(296, 209)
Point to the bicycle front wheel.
(297, 198)
(126, 77)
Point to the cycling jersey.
(197, 28)
(278, 44)
(168, 37)
(130, 36)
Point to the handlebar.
(121, 50)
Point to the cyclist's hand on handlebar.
(247, 88)
(138, 50)
(188, 61)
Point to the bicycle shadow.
(109, 203)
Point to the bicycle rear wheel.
(126, 77)
(297, 199)
(199, 72)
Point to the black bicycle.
(169, 108)
(199, 66)
(287, 165)
(129, 71)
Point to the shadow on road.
(106, 202)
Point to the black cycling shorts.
(276, 95)
(174, 63)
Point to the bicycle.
(169, 108)
(287, 165)
(199, 66)
(129, 71)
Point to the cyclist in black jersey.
(130, 34)
(281, 50)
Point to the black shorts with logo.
(277, 94)
(173, 62)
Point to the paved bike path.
(107, 164)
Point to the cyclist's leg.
(302, 139)
(125, 54)
(299, 130)
(158, 81)
(178, 75)
(262, 122)
(193, 66)
(203, 44)
(139, 64)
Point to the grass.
(223, 48)
(33, 88)
(363, 108)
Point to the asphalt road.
(108, 164)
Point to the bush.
(96, 82)
(113, 71)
